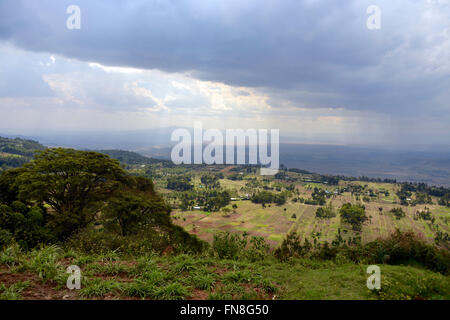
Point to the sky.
(312, 69)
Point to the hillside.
(15, 152)
(130, 158)
(295, 235)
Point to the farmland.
(274, 221)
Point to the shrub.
(227, 245)
(258, 249)
(183, 241)
(406, 247)
(6, 238)
(292, 247)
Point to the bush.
(182, 241)
(227, 245)
(258, 249)
(6, 238)
(398, 248)
(406, 248)
(292, 247)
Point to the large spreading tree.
(75, 184)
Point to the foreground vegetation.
(214, 274)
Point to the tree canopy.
(353, 214)
(73, 183)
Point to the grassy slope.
(41, 275)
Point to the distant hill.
(16, 152)
(129, 157)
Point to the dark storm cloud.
(309, 53)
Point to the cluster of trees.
(445, 200)
(318, 197)
(210, 181)
(424, 214)
(64, 191)
(403, 194)
(398, 248)
(398, 213)
(424, 188)
(424, 193)
(214, 200)
(354, 214)
(265, 197)
(179, 183)
(422, 198)
(326, 212)
(209, 200)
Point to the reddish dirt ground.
(37, 290)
